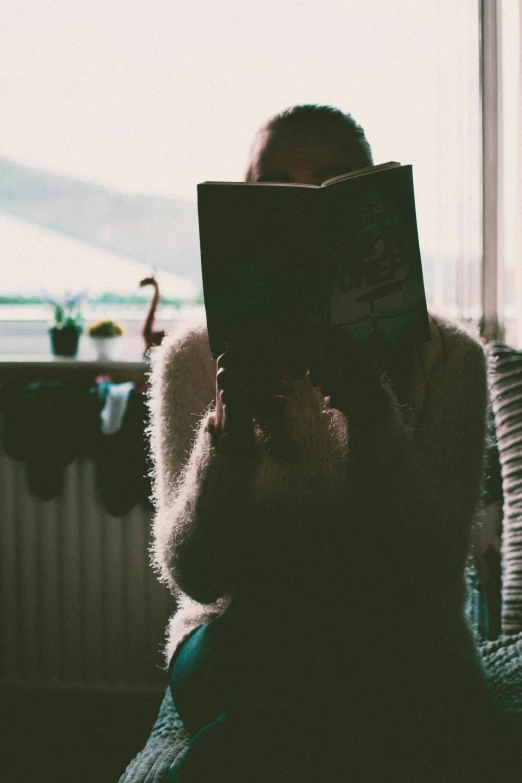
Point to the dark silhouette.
(149, 335)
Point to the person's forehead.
(312, 146)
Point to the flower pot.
(64, 341)
(107, 348)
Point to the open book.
(275, 255)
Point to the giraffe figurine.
(149, 335)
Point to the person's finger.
(314, 376)
(238, 423)
(262, 361)
(255, 385)
(234, 358)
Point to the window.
(104, 104)
(511, 271)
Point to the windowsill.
(47, 366)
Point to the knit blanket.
(167, 740)
(502, 663)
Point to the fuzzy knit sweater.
(367, 523)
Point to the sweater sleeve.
(451, 438)
(201, 497)
(424, 485)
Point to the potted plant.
(106, 338)
(67, 324)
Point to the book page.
(264, 184)
(361, 172)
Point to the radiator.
(79, 603)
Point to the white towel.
(115, 406)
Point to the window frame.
(492, 325)
(492, 322)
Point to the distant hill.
(154, 230)
(35, 260)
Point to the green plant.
(105, 329)
(67, 311)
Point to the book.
(276, 256)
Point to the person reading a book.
(313, 517)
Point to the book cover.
(376, 282)
(275, 255)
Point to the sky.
(157, 96)
(154, 96)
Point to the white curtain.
(517, 260)
(457, 267)
(511, 125)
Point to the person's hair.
(313, 115)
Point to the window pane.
(145, 98)
(512, 287)
(457, 222)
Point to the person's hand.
(345, 373)
(247, 388)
